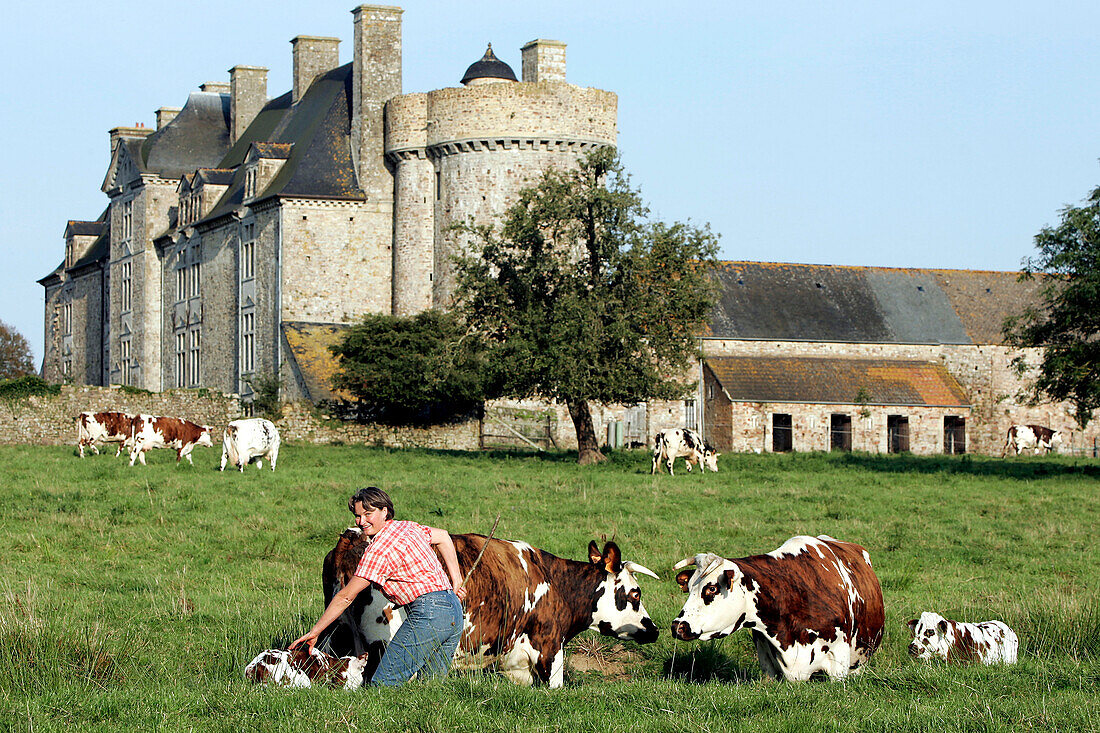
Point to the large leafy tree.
(1066, 324)
(15, 353)
(417, 369)
(581, 298)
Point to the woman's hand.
(460, 591)
(310, 638)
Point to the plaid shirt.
(401, 560)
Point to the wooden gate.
(517, 428)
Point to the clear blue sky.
(933, 134)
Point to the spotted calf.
(302, 668)
(989, 642)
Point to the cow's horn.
(636, 568)
(684, 563)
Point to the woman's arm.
(336, 606)
(442, 539)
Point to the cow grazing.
(522, 605)
(990, 642)
(250, 440)
(1033, 438)
(106, 427)
(168, 432)
(813, 605)
(668, 445)
(305, 668)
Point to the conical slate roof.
(489, 67)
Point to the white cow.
(990, 642)
(668, 445)
(248, 440)
(1033, 438)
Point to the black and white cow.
(989, 642)
(668, 445)
(250, 440)
(522, 605)
(1033, 438)
(813, 605)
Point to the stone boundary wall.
(301, 423)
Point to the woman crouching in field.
(399, 558)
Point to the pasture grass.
(132, 598)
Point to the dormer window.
(250, 183)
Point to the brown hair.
(372, 497)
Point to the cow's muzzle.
(681, 630)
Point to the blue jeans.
(425, 643)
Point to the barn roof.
(823, 380)
(795, 302)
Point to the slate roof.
(784, 301)
(488, 67)
(198, 137)
(214, 176)
(309, 344)
(98, 252)
(820, 380)
(317, 130)
(85, 228)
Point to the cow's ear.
(912, 624)
(612, 558)
(942, 626)
(682, 579)
(594, 552)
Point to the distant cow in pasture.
(305, 668)
(989, 642)
(168, 432)
(522, 605)
(813, 605)
(668, 445)
(250, 440)
(105, 427)
(1033, 438)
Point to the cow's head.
(618, 609)
(1056, 440)
(205, 436)
(933, 637)
(717, 598)
(710, 458)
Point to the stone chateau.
(243, 233)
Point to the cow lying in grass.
(305, 668)
(989, 642)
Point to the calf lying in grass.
(302, 668)
(990, 642)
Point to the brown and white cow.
(668, 445)
(989, 642)
(106, 427)
(813, 605)
(305, 668)
(168, 432)
(522, 605)
(1033, 438)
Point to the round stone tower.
(464, 153)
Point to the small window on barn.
(782, 433)
(897, 433)
(840, 431)
(954, 434)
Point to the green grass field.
(132, 598)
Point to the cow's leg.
(670, 460)
(557, 669)
(80, 446)
(766, 653)
(519, 663)
(274, 456)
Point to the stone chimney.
(544, 60)
(247, 96)
(376, 78)
(215, 87)
(137, 132)
(166, 115)
(313, 56)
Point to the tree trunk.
(588, 448)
